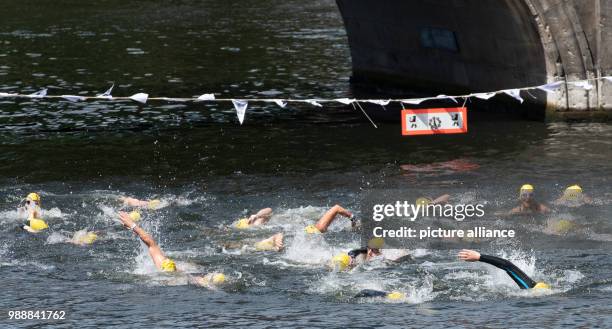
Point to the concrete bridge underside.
(458, 46)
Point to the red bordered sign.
(451, 120)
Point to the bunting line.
(241, 104)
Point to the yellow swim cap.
(90, 238)
(153, 204)
(541, 285)
(168, 265)
(395, 295)
(242, 223)
(218, 278)
(572, 192)
(87, 238)
(265, 245)
(341, 261)
(33, 196)
(563, 226)
(376, 243)
(135, 215)
(527, 187)
(38, 224)
(423, 201)
(311, 229)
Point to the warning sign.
(451, 120)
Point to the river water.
(209, 171)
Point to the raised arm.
(521, 279)
(156, 254)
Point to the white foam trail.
(57, 237)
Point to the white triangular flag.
(140, 98)
(73, 98)
(313, 102)
(107, 94)
(484, 95)
(280, 103)
(550, 87)
(380, 102)
(514, 93)
(344, 101)
(240, 107)
(447, 97)
(414, 101)
(39, 94)
(584, 84)
(207, 97)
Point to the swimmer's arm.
(518, 276)
(515, 211)
(543, 209)
(441, 199)
(156, 254)
(132, 202)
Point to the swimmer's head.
(374, 245)
(573, 192)
(423, 201)
(311, 229)
(395, 295)
(526, 192)
(33, 197)
(242, 224)
(135, 215)
(218, 278)
(563, 226)
(38, 224)
(168, 265)
(541, 285)
(153, 204)
(84, 238)
(341, 261)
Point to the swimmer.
(348, 260)
(273, 243)
(83, 238)
(573, 196)
(260, 218)
(135, 203)
(528, 204)
(32, 208)
(370, 293)
(160, 260)
(327, 219)
(424, 201)
(521, 279)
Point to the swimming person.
(260, 218)
(573, 196)
(273, 243)
(327, 219)
(424, 201)
(160, 260)
(521, 279)
(135, 203)
(370, 293)
(34, 212)
(83, 238)
(528, 204)
(348, 260)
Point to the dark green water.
(210, 171)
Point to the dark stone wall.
(500, 44)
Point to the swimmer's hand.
(126, 220)
(469, 255)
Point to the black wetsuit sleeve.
(356, 252)
(523, 281)
(367, 293)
